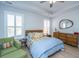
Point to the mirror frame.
(65, 20)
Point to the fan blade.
(42, 1)
(51, 5)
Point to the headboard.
(27, 31)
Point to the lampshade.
(45, 31)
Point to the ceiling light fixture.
(52, 1)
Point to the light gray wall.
(72, 14)
(1, 23)
(31, 20)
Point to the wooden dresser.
(67, 38)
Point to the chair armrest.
(17, 44)
(0, 50)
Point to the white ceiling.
(44, 8)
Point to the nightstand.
(23, 43)
(49, 36)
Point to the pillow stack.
(6, 42)
(7, 45)
(37, 35)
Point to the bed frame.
(27, 31)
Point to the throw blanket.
(44, 44)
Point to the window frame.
(6, 26)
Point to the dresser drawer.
(72, 39)
(72, 36)
(72, 43)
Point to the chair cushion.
(16, 54)
(8, 50)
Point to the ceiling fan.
(51, 2)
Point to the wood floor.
(69, 52)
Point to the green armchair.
(14, 51)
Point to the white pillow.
(29, 43)
(34, 36)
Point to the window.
(46, 27)
(18, 25)
(14, 25)
(10, 24)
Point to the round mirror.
(65, 23)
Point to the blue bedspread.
(40, 47)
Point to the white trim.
(5, 22)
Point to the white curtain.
(46, 27)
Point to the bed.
(42, 47)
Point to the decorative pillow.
(41, 35)
(28, 37)
(4, 45)
(32, 36)
(8, 44)
(37, 35)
